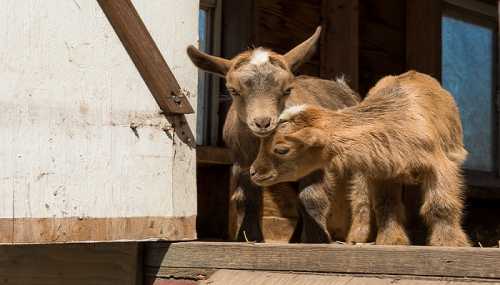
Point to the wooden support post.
(423, 36)
(146, 56)
(340, 40)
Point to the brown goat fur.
(262, 84)
(406, 131)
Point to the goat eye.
(281, 150)
(287, 91)
(233, 92)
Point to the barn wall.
(85, 153)
(382, 33)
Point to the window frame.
(212, 82)
(485, 14)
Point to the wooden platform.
(242, 277)
(208, 260)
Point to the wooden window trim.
(482, 184)
(476, 6)
(423, 53)
(207, 4)
(212, 88)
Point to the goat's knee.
(361, 229)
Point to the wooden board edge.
(192, 273)
(78, 230)
(388, 260)
(210, 155)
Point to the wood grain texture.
(146, 56)
(391, 260)
(60, 230)
(213, 155)
(178, 272)
(160, 281)
(423, 36)
(382, 41)
(75, 264)
(244, 277)
(340, 40)
(274, 21)
(279, 212)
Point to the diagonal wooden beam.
(146, 56)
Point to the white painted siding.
(68, 94)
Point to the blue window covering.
(468, 73)
(201, 96)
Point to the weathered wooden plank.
(391, 260)
(247, 277)
(423, 36)
(382, 41)
(179, 272)
(276, 18)
(60, 230)
(146, 56)
(75, 264)
(242, 277)
(206, 4)
(340, 40)
(213, 155)
(207, 274)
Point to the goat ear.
(303, 52)
(217, 65)
(309, 136)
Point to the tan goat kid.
(407, 130)
(262, 84)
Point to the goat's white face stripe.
(291, 112)
(259, 56)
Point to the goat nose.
(252, 171)
(262, 122)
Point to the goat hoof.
(392, 238)
(359, 234)
(449, 236)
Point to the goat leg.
(248, 198)
(314, 205)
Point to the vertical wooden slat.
(423, 36)
(215, 82)
(146, 56)
(237, 26)
(340, 40)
